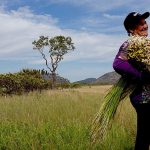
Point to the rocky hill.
(87, 81)
(108, 78)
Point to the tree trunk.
(53, 80)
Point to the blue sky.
(96, 28)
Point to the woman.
(135, 24)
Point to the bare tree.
(57, 47)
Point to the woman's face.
(141, 29)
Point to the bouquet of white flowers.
(139, 50)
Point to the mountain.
(107, 78)
(87, 81)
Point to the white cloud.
(19, 28)
(112, 17)
(94, 46)
(106, 23)
(99, 5)
(107, 5)
(27, 14)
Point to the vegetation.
(24, 81)
(57, 46)
(28, 80)
(57, 119)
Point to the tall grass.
(61, 120)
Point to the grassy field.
(61, 120)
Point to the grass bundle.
(110, 103)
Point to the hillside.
(87, 81)
(108, 78)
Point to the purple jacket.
(124, 68)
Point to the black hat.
(133, 19)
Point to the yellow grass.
(72, 110)
(101, 89)
(61, 105)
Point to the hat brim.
(145, 15)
